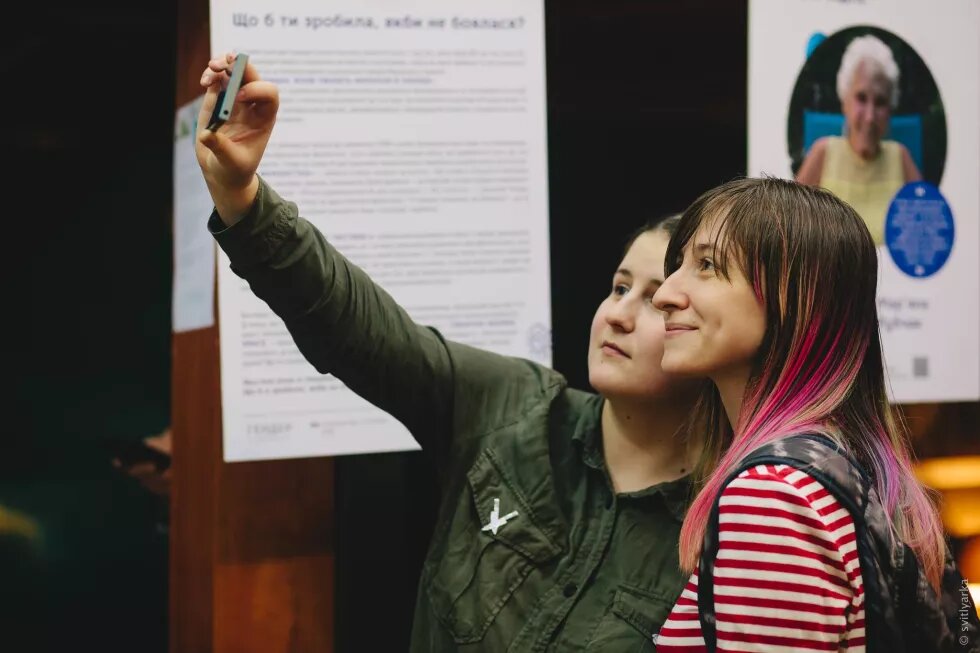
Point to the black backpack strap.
(908, 587)
(706, 575)
(959, 610)
(902, 612)
(772, 454)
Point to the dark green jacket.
(578, 568)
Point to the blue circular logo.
(919, 229)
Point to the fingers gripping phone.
(226, 98)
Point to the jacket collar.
(676, 494)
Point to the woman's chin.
(867, 148)
(676, 364)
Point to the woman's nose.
(622, 314)
(670, 296)
(866, 113)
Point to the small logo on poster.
(919, 229)
(539, 342)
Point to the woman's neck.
(731, 388)
(866, 154)
(643, 441)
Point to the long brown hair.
(814, 267)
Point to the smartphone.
(226, 98)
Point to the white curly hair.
(871, 52)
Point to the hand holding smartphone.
(226, 98)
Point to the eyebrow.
(700, 248)
(626, 273)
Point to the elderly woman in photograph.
(862, 167)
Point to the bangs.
(804, 251)
(738, 224)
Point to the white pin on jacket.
(496, 521)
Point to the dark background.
(88, 112)
(646, 109)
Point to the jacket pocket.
(634, 616)
(479, 570)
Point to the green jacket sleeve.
(346, 325)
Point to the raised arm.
(909, 169)
(342, 322)
(811, 170)
(230, 156)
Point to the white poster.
(412, 135)
(878, 101)
(193, 291)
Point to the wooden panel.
(251, 544)
(196, 414)
(196, 425)
(275, 603)
(193, 47)
(275, 508)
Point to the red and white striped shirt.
(787, 575)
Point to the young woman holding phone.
(560, 508)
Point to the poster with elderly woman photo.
(878, 102)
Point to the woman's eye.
(706, 265)
(620, 289)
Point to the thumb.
(217, 143)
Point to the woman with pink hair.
(810, 530)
